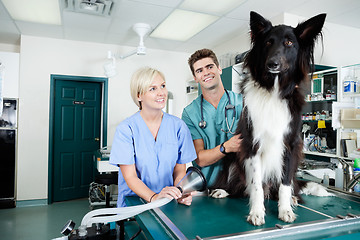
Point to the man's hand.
(233, 144)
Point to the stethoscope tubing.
(202, 123)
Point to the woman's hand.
(186, 199)
(168, 192)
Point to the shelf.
(321, 154)
(327, 155)
(329, 120)
(351, 94)
(320, 101)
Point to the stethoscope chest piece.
(202, 124)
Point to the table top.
(209, 218)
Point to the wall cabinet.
(320, 139)
(347, 108)
(343, 123)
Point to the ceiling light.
(181, 25)
(88, 6)
(211, 6)
(39, 11)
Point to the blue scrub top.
(215, 121)
(154, 160)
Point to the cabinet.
(320, 139)
(348, 109)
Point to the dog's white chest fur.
(270, 118)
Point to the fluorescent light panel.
(39, 11)
(181, 25)
(217, 7)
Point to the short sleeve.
(122, 149)
(187, 151)
(190, 124)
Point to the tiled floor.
(40, 222)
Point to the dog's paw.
(287, 215)
(294, 201)
(218, 193)
(256, 217)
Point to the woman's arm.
(179, 173)
(139, 187)
(134, 183)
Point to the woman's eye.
(152, 89)
(163, 86)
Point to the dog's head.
(282, 50)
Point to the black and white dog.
(279, 61)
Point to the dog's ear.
(258, 25)
(309, 30)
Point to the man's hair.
(200, 54)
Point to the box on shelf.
(350, 118)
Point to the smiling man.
(212, 117)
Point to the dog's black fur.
(287, 53)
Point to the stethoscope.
(202, 123)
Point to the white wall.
(40, 57)
(10, 61)
(340, 43)
(339, 48)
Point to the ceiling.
(117, 29)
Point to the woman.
(151, 147)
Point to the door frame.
(103, 126)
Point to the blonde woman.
(151, 147)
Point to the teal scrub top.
(215, 121)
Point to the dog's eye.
(268, 43)
(288, 43)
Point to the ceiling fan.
(142, 29)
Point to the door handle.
(97, 139)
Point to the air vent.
(95, 7)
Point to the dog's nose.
(273, 66)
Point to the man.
(212, 108)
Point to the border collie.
(280, 60)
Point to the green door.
(77, 119)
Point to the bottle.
(326, 180)
(356, 172)
(323, 115)
(339, 176)
(333, 95)
(323, 143)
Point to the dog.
(278, 62)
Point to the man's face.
(207, 74)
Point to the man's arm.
(206, 157)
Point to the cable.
(136, 234)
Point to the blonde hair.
(141, 81)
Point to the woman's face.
(155, 97)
